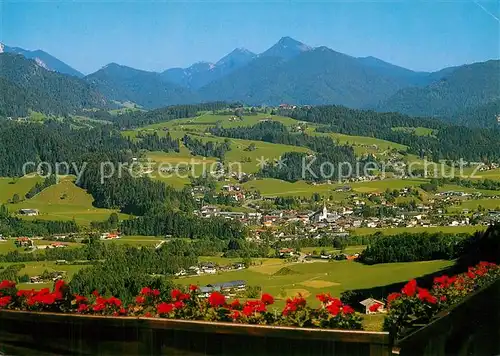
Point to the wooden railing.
(470, 328)
(24, 333)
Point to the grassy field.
(417, 131)
(380, 186)
(361, 144)
(458, 188)
(491, 174)
(136, 241)
(275, 187)
(64, 201)
(20, 186)
(312, 278)
(37, 268)
(432, 229)
(474, 204)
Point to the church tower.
(324, 215)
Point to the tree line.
(447, 142)
(411, 247)
(14, 226)
(206, 149)
(38, 187)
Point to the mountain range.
(288, 72)
(43, 59)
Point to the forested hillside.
(448, 142)
(147, 89)
(465, 87)
(318, 76)
(486, 115)
(43, 90)
(324, 148)
(44, 59)
(54, 142)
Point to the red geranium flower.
(178, 305)
(155, 292)
(216, 299)
(5, 284)
(25, 293)
(410, 288)
(333, 309)
(347, 309)
(424, 295)
(289, 308)
(267, 299)
(393, 296)
(4, 301)
(140, 299)
(114, 301)
(247, 310)
(82, 308)
(235, 315)
(164, 308)
(324, 297)
(193, 288)
(235, 304)
(80, 299)
(175, 294)
(59, 284)
(99, 307)
(146, 291)
(148, 315)
(375, 307)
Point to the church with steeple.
(321, 215)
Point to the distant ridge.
(293, 72)
(43, 59)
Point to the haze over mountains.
(294, 73)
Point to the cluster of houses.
(209, 268)
(48, 277)
(351, 214)
(230, 288)
(28, 242)
(110, 236)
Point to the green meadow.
(312, 278)
(20, 186)
(474, 204)
(417, 131)
(64, 201)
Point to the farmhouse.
(237, 285)
(209, 211)
(286, 252)
(110, 236)
(208, 267)
(24, 242)
(29, 212)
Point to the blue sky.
(159, 35)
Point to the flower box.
(24, 332)
(470, 327)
